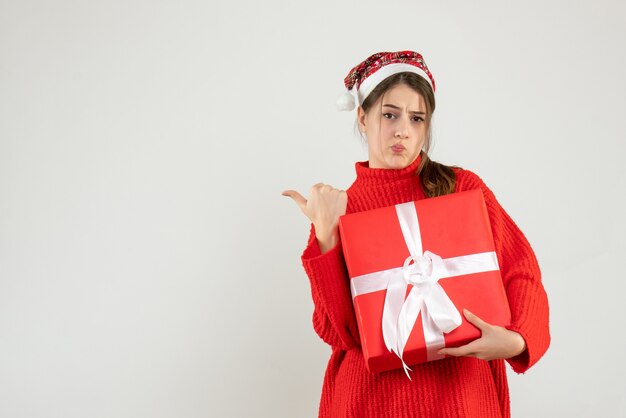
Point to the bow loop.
(423, 270)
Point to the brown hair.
(437, 179)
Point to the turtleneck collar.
(379, 176)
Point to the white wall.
(149, 266)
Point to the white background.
(149, 266)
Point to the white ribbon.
(423, 271)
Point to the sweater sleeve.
(333, 316)
(521, 276)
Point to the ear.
(361, 119)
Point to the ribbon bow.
(427, 296)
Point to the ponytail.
(437, 179)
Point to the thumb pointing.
(297, 197)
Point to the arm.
(333, 317)
(522, 281)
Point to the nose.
(402, 129)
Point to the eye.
(418, 119)
(389, 115)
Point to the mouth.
(397, 148)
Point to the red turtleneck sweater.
(452, 387)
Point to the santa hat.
(363, 78)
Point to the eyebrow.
(397, 108)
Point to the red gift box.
(413, 268)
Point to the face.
(395, 127)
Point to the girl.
(394, 93)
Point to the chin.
(398, 162)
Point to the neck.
(378, 187)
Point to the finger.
(317, 186)
(475, 320)
(464, 350)
(320, 189)
(297, 197)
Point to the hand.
(495, 342)
(323, 209)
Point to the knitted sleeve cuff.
(327, 274)
(529, 309)
(521, 362)
(329, 263)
